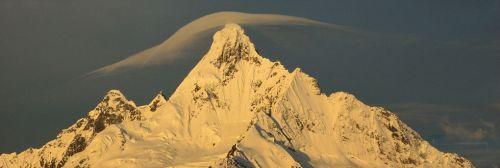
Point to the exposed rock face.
(238, 109)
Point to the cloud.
(495, 44)
(495, 106)
(427, 113)
(181, 42)
(460, 131)
(455, 122)
(417, 107)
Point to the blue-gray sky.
(434, 63)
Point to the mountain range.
(237, 109)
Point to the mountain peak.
(115, 93)
(230, 45)
(229, 36)
(231, 29)
(157, 101)
(115, 97)
(113, 102)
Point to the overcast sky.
(434, 63)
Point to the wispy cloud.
(426, 113)
(460, 131)
(417, 107)
(489, 45)
(495, 106)
(181, 41)
(448, 119)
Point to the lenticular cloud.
(176, 45)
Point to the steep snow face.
(238, 109)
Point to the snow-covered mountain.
(237, 109)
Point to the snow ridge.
(238, 109)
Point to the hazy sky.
(434, 63)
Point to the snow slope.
(238, 109)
